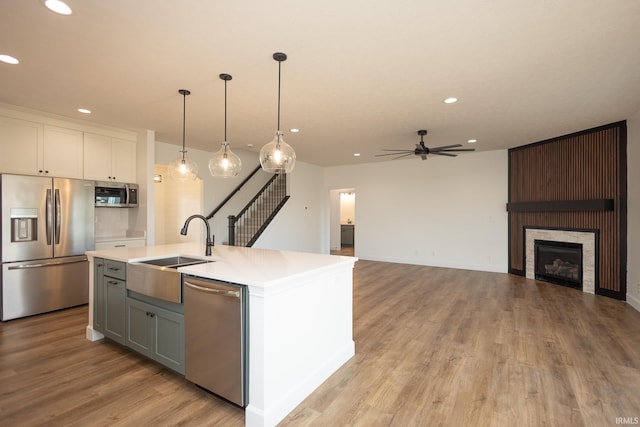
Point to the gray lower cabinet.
(347, 234)
(110, 299)
(156, 333)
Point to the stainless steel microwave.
(116, 195)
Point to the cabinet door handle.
(112, 282)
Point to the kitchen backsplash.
(111, 222)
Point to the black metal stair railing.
(235, 190)
(253, 219)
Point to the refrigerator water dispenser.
(24, 224)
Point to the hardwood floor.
(434, 346)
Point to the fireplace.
(558, 262)
(587, 238)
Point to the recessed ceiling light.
(356, 154)
(250, 145)
(471, 141)
(294, 130)
(450, 100)
(58, 6)
(84, 111)
(9, 59)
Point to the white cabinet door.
(123, 160)
(109, 159)
(21, 146)
(97, 157)
(62, 152)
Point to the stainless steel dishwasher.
(215, 318)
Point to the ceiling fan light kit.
(423, 151)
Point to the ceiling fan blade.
(402, 155)
(395, 149)
(444, 147)
(394, 154)
(442, 153)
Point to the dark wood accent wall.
(574, 182)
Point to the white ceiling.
(362, 75)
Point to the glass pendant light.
(278, 156)
(183, 168)
(224, 162)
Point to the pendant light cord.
(184, 123)
(279, 78)
(225, 114)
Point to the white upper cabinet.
(62, 152)
(109, 159)
(34, 149)
(20, 146)
(123, 160)
(37, 145)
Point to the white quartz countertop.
(247, 266)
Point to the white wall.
(298, 226)
(633, 210)
(302, 224)
(441, 211)
(348, 208)
(174, 202)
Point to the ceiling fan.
(422, 151)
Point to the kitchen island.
(300, 316)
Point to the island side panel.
(92, 334)
(301, 332)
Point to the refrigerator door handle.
(48, 219)
(57, 230)
(48, 264)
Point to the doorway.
(343, 221)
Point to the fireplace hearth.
(558, 262)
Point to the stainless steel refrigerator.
(47, 225)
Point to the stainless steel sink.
(159, 277)
(174, 261)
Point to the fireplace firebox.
(558, 262)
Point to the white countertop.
(247, 266)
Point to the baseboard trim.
(633, 302)
(92, 334)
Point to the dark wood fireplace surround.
(574, 182)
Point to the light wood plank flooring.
(434, 346)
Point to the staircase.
(253, 219)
